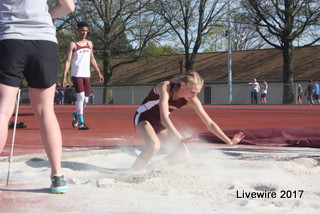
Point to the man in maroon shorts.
(79, 57)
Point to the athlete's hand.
(190, 139)
(236, 139)
(63, 82)
(101, 78)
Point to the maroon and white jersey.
(80, 63)
(150, 111)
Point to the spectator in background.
(255, 88)
(309, 92)
(67, 95)
(264, 91)
(316, 91)
(59, 95)
(91, 97)
(300, 91)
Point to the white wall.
(241, 94)
(216, 94)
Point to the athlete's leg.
(179, 152)
(252, 97)
(80, 106)
(78, 84)
(255, 97)
(148, 135)
(86, 88)
(43, 108)
(12, 59)
(86, 100)
(7, 103)
(262, 99)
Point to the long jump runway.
(267, 127)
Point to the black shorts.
(263, 95)
(36, 60)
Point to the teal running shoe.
(75, 121)
(58, 184)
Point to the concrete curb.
(65, 155)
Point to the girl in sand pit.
(154, 126)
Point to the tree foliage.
(279, 23)
(243, 35)
(153, 50)
(189, 22)
(122, 28)
(117, 28)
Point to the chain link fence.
(211, 94)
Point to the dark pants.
(254, 97)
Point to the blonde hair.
(190, 77)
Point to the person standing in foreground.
(80, 56)
(29, 49)
(154, 126)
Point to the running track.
(112, 125)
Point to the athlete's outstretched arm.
(211, 125)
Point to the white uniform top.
(26, 20)
(264, 88)
(80, 63)
(255, 86)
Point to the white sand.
(213, 181)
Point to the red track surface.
(112, 125)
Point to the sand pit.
(215, 180)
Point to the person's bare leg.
(8, 99)
(180, 154)
(179, 151)
(42, 101)
(148, 135)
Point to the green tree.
(215, 40)
(190, 21)
(279, 23)
(243, 35)
(154, 50)
(117, 28)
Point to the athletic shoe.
(83, 126)
(75, 121)
(19, 125)
(58, 184)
